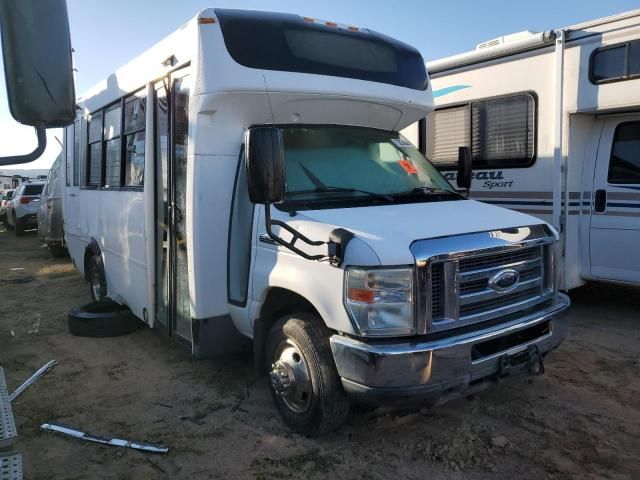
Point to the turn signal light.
(25, 200)
(361, 295)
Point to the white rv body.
(181, 244)
(576, 117)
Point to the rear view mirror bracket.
(41, 133)
(296, 236)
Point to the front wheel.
(305, 383)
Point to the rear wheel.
(305, 383)
(97, 278)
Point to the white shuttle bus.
(553, 123)
(243, 182)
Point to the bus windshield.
(330, 165)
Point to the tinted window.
(447, 130)
(112, 163)
(274, 41)
(634, 59)
(609, 63)
(241, 223)
(95, 127)
(134, 112)
(134, 160)
(32, 190)
(95, 162)
(500, 132)
(624, 166)
(618, 62)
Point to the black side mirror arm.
(41, 132)
(296, 236)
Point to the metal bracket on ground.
(11, 466)
(118, 442)
(8, 433)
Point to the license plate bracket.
(525, 361)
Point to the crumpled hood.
(390, 229)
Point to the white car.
(22, 211)
(5, 199)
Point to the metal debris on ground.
(32, 379)
(118, 442)
(16, 269)
(10, 466)
(8, 431)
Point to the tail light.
(25, 200)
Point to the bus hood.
(389, 230)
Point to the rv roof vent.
(505, 39)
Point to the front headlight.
(380, 301)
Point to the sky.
(107, 34)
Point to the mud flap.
(528, 361)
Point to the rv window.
(624, 166)
(634, 59)
(615, 63)
(500, 132)
(503, 131)
(447, 130)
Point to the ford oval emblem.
(504, 280)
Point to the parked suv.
(50, 228)
(22, 212)
(5, 199)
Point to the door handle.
(600, 202)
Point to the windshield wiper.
(325, 189)
(426, 191)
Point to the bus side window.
(134, 138)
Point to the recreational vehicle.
(553, 123)
(243, 182)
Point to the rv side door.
(614, 231)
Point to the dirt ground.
(580, 420)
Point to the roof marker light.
(331, 24)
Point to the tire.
(105, 318)
(18, 227)
(318, 405)
(97, 278)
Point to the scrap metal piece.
(11, 466)
(32, 379)
(8, 431)
(118, 442)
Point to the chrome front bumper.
(435, 370)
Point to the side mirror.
(464, 168)
(36, 48)
(265, 165)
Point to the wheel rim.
(290, 377)
(96, 287)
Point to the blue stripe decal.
(447, 90)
